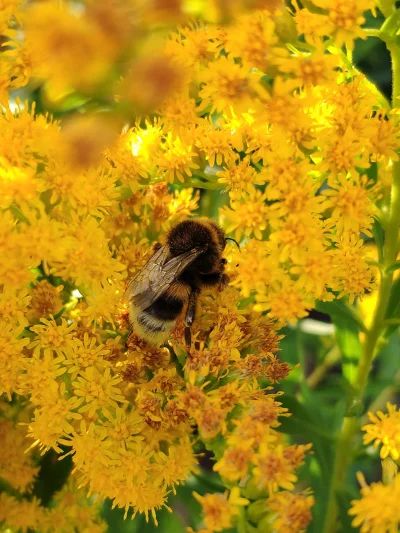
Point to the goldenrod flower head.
(216, 144)
(85, 353)
(98, 390)
(16, 467)
(293, 511)
(11, 347)
(175, 161)
(45, 300)
(228, 84)
(318, 68)
(377, 511)
(248, 216)
(219, 510)
(22, 515)
(361, 277)
(240, 178)
(346, 18)
(272, 469)
(71, 49)
(160, 78)
(84, 138)
(14, 305)
(253, 38)
(51, 337)
(235, 462)
(312, 25)
(384, 431)
(193, 45)
(285, 302)
(349, 199)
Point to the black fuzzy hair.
(206, 235)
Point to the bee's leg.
(190, 316)
(130, 331)
(156, 246)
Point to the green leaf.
(393, 308)
(171, 522)
(343, 498)
(313, 8)
(379, 237)
(348, 340)
(59, 314)
(393, 267)
(386, 6)
(388, 365)
(52, 476)
(16, 211)
(372, 170)
(347, 327)
(302, 418)
(115, 520)
(326, 412)
(216, 445)
(338, 310)
(72, 102)
(125, 194)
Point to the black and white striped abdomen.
(156, 322)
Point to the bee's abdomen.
(165, 308)
(156, 322)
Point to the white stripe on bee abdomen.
(149, 327)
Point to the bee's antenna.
(230, 239)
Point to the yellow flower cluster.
(271, 118)
(384, 430)
(18, 509)
(71, 511)
(376, 511)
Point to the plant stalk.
(370, 346)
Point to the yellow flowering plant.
(120, 119)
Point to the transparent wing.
(157, 275)
(140, 280)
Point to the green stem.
(387, 7)
(390, 26)
(349, 427)
(371, 346)
(372, 32)
(318, 374)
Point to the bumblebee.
(173, 278)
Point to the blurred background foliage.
(372, 57)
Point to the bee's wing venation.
(157, 275)
(140, 280)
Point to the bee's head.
(187, 235)
(200, 234)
